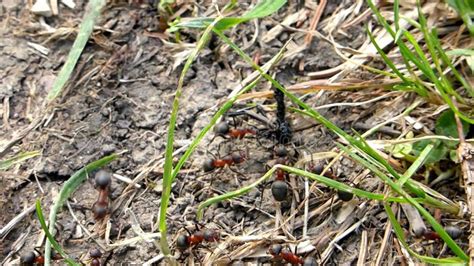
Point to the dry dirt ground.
(119, 101)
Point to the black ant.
(223, 129)
(186, 241)
(32, 258)
(100, 207)
(211, 164)
(95, 255)
(278, 251)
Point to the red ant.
(32, 258)
(95, 255)
(100, 207)
(223, 129)
(211, 164)
(279, 186)
(186, 241)
(277, 251)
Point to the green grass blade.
(85, 30)
(401, 237)
(5, 164)
(415, 165)
(465, 8)
(447, 61)
(50, 237)
(68, 188)
(262, 9)
(168, 166)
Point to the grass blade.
(68, 188)
(50, 237)
(87, 25)
(5, 164)
(262, 9)
(400, 235)
(168, 166)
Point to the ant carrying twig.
(280, 252)
(101, 206)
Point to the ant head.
(279, 190)
(208, 165)
(95, 253)
(344, 195)
(100, 210)
(310, 261)
(211, 235)
(275, 249)
(222, 128)
(28, 258)
(281, 151)
(102, 179)
(182, 242)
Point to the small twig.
(314, 22)
(4, 231)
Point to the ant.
(32, 258)
(95, 255)
(279, 186)
(223, 129)
(277, 251)
(186, 241)
(211, 164)
(342, 195)
(100, 207)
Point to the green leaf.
(50, 237)
(438, 153)
(446, 125)
(262, 9)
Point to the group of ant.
(99, 209)
(278, 252)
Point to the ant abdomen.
(102, 179)
(182, 242)
(222, 128)
(208, 165)
(279, 190)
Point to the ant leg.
(239, 173)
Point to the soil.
(119, 101)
